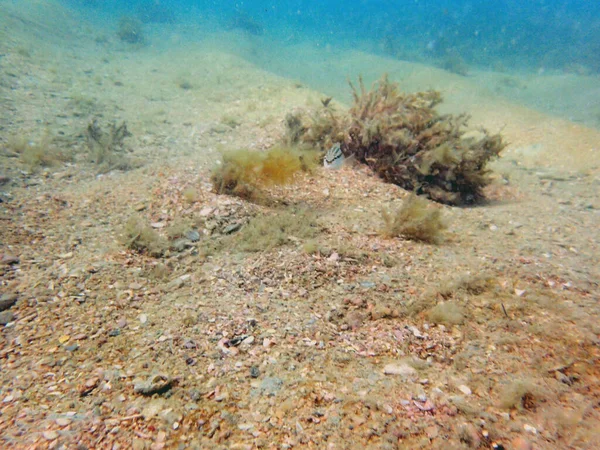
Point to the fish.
(334, 158)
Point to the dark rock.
(7, 300)
(9, 260)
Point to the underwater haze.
(513, 41)
(529, 35)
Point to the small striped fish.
(334, 158)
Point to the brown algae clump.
(244, 172)
(405, 141)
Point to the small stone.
(7, 300)
(248, 341)
(333, 257)
(135, 286)
(143, 318)
(232, 228)
(403, 370)
(6, 317)
(9, 260)
(415, 331)
(80, 337)
(254, 372)
(193, 235)
(115, 332)
(465, 389)
(50, 435)
(156, 384)
(92, 382)
(64, 338)
(175, 284)
(206, 211)
(122, 323)
(529, 429)
(62, 421)
(267, 343)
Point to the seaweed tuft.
(266, 232)
(140, 237)
(107, 147)
(244, 173)
(415, 220)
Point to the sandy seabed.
(344, 345)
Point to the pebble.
(529, 429)
(175, 284)
(422, 398)
(9, 260)
(403, 370)
(156, 384)
(143, 318)
(7, 300)
(415, 331)
(193, 235)
(62, 421)
(6, 317)
(50, 435)
(229, 229)
(465, 389)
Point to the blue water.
(500, 34)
